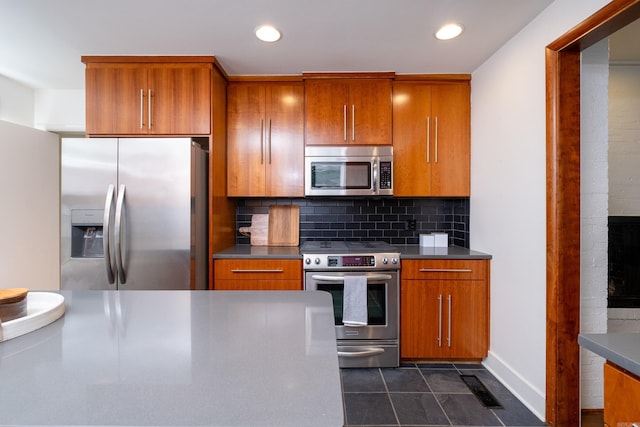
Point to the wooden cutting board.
(258, 230)
(284, 225)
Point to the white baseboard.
(530, 396)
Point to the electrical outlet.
(411, 224)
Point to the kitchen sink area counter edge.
(406, 252)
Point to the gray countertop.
(177, 358)
(620, 349)
(406, 252)
(248, 251)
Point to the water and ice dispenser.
(86, 233)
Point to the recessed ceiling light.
(267, 33)
(449, 31)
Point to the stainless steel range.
(363, 279)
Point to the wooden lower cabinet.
(257, 274)
(621, 397)
(444, 309)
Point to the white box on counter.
(441, 240)
(427, 240)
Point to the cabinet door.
(621, 397)
(450, 109)
(180, 102)
(369, 112)
(326, 105)
(285, 140)
(411, 132)
(420, 319)
(466, 334)
(431, 139)
(115, 99)
(245, 139)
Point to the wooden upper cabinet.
(346, 111)
(136, 96)
(432, 138)
(265, 131)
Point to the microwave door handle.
(375, 176)
(370, 277)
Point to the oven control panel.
(352, 261)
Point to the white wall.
(60, 110)
(16, 102)
(508, 195)
(30, 214)
(594, 196)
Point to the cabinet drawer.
(257, 269)
(441, 269)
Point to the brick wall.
(624, 158)
(593, 215)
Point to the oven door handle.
(341, 278)
(370, 351)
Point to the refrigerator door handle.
(106, 225)
(117, 232)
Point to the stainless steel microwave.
(348, 171)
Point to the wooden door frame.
(563, 205)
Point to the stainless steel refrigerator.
(133, 213)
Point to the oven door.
(382, 303)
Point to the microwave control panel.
(385, 175)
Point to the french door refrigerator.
(133, 213)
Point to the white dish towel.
(354, 304)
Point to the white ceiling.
(41, 41)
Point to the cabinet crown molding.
(368, 75)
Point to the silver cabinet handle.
(149, 125)
(449, 299)
(446, 270)
(141, 108)
(353, 122)
(106, 239)
(261, 141)
(436, 135)
(344, 119)
(364, 353)
(269, 140)
(370, 277)
(278, 270)
(118, 236)
(440, 320)
(428, 139)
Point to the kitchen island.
(621, 375)
(177, 358)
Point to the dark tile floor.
(427, 395)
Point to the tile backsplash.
(385, 219)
